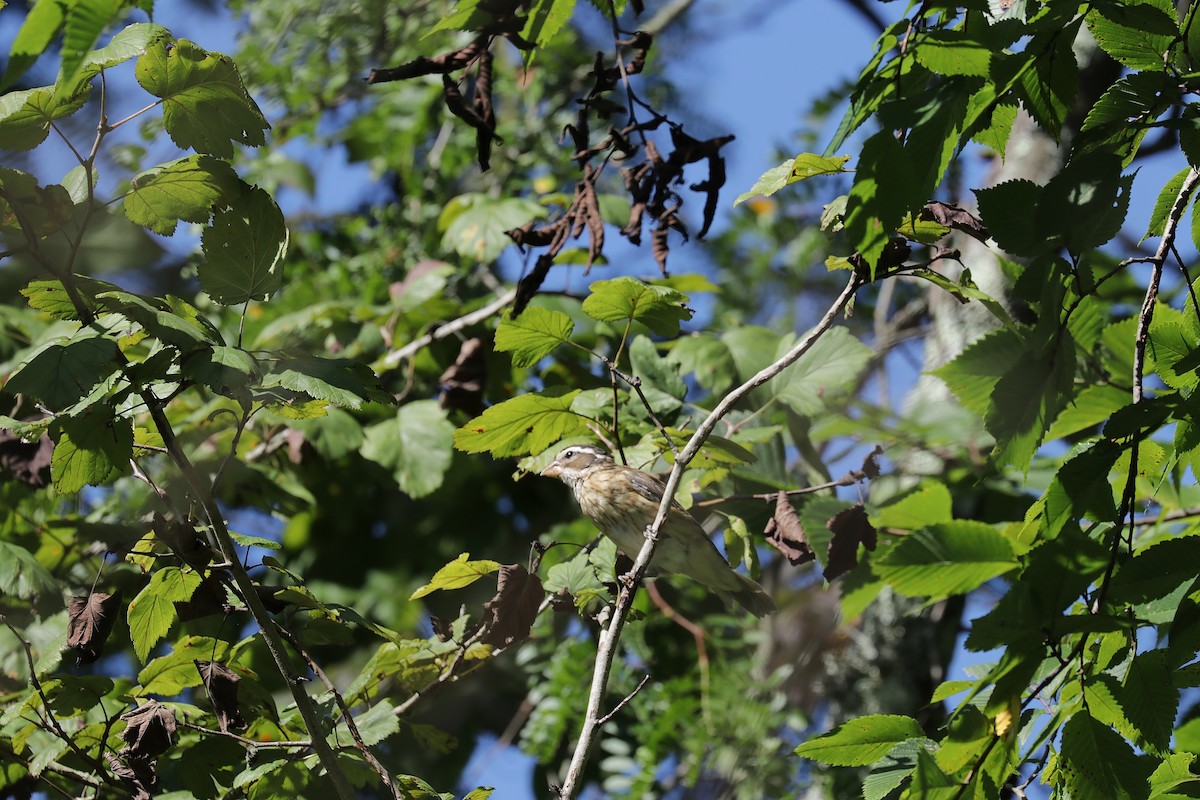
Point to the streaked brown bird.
(623, 501)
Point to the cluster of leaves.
(1095, 623)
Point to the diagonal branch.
(606, 647)
(394, 357)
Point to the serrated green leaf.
(545, 19)
(171, 320)
(254, 541)
(374, 725)
(520, 426)
(62, 373)
(244, 250)
(1151, 700)
(187, 189)
(830, 366)
(1004, 209)
(339, 381)
(221, 368)
(946, 559)
(951, 53)
(620, 299)
(152, 612)
(1097, 762)
(1156, 571)
(930, 504)
(205, 105)
(533, 335)
(129, 42)
(416, 445)
(25, 116)
(1136, 34)
(85, 22)
(22, 575)
(862, 741)
(458, 573)
(90, 452)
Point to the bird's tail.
(752, 597)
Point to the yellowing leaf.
(458, 573)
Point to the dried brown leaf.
(785, 533)
(90, 620)
(850, 528)
(221, 683)
(954, 217)
(27, 462)
(512, 611)
(149, 731)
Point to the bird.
(622, 502)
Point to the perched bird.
(623, 501)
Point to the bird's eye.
(569, 454)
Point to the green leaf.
(862, 741)
(85, 22)
(205, 105)
(474, 225)
(526, 424)
(1096, 762)
(61, 374)
(657, 307)
(1025, 401)
(928, 505)
(22, 575)
(42, 22)
(794, 170)
(170, 320)
(1005, 210)
(830, 366)
(1151, 700)
(533, 335)
(222, 369)
(707, 358)
(1136, 34)
(187, 189)
(946, 559)
(170, 674)
(244, 250)
(1156, 571)
(339, 381)
(458, 573)
(25, 116)
(952, 53)
(91, 452)
(152, 612)
(43, 209)
(130, 42)
(415, 444)
(1049, 88)
(545, 19)
(1174, 350)
(374, 725)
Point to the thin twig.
(636, 384)
(1160, 256)
(50, 718)
(610, 635)
(351, 726)
(849, 479)
(442, 331)
(625, 700)
(296, 744)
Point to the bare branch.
(442, 331)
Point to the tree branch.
(610, 635)
(394, 357)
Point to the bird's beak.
(552, 471)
